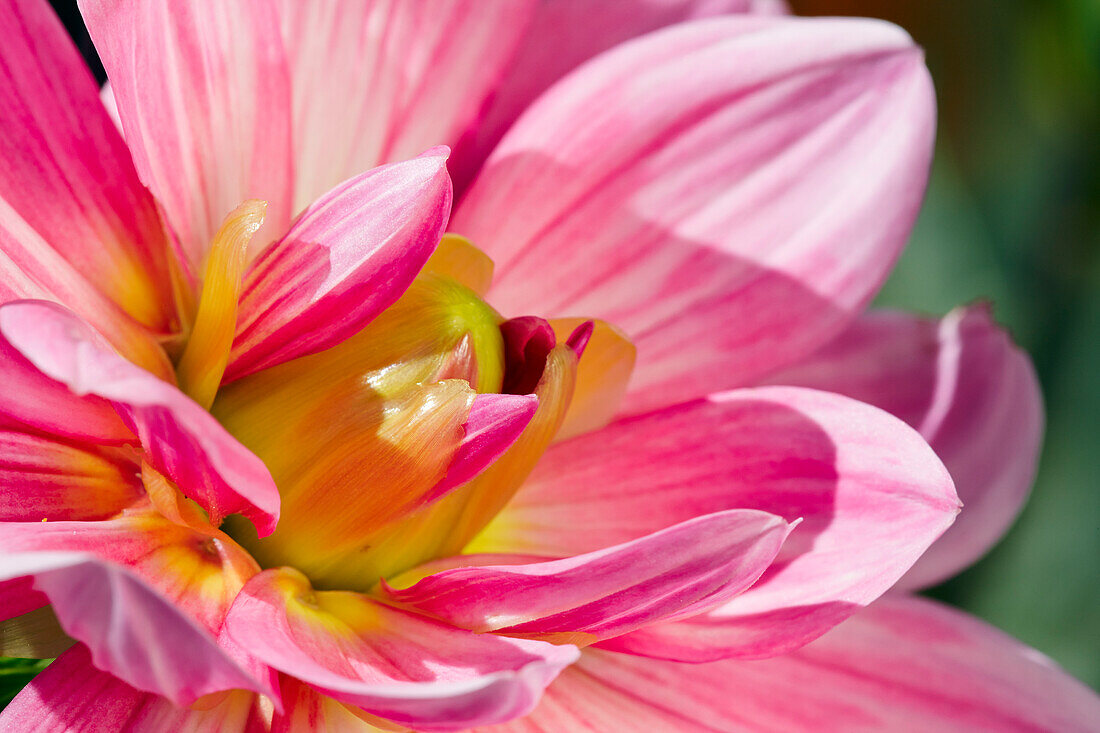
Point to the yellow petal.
(602, 376)
(446, 527)
(457, 258)
(207, 352)
(356, 463)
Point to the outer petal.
(871, 494)
(180, 439)
(969, 391)
(73, 696)
(564, 34)
(397, 665)
(674, 573)
(44, 477)
(132, 631)
(347, 258)
(901, 665)
(74, 219)
(729, 192)
(204, 98)
(375, 82)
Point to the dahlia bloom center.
(398, 445)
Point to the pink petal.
(200, 574)
(73, 696)
(31, 398)
(901, 665)
(47, 477)
(495, 422)
(564, 34)
(75, 223)
(870, 492)
(379, 82)
(132, 631)
(203, 93)
(970, 392)
(403, 667)
(180, 439)
(347, 258)
(670, 574)
(729, 192)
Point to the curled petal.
(131, 630)
(871, 494)
(970, 392)
(730, 226)
(397, 665)
(346, 258)
(674, 573)
(902, 664)
(180, 439)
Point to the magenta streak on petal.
(132, 631)
(180, 439)
(495, 422)
(346, 258)
(527, 341)
(578, 340)
(677, 572)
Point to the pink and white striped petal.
(871, 494)
(494, 423)
(47, 478)
(677, 572)
(563, 35)
(730, 192)
(400, 666)
(347, 258)
(421, 74)
(72, 695)
(180, 438)
(969, 391)
(901, 665)
(203, 92)
(131, 630)
(76, 225)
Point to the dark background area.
(1012, 216)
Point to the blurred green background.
(1013, 216)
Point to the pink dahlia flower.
(277, 453)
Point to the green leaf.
(15, 674)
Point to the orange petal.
(602, 376)
(447, 526)
(457, 258)
(204, 359)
